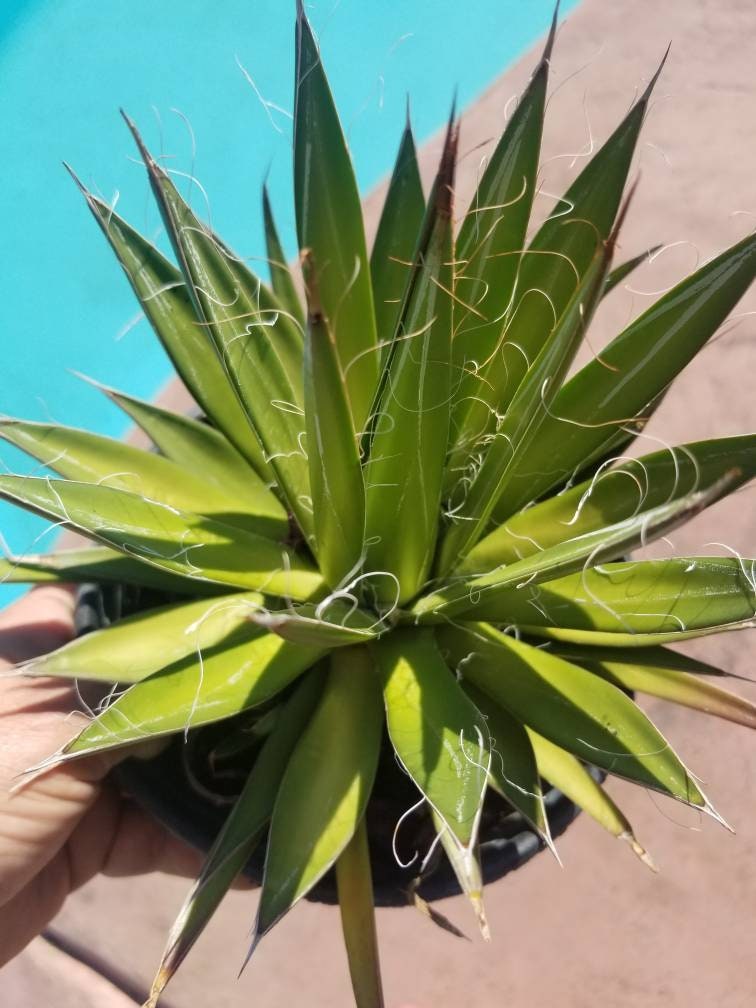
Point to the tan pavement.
(602, 930)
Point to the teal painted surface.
(65, 68)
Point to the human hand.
(69, 824)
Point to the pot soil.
(188, 789)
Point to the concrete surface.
(603, 930)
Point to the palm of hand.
(68, 825)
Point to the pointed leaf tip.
(82, 188)
(549, 47)
(639, 851)
(652, 83)
(149, 162)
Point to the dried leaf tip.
(158, 986)
(639, 851)
(448, 166)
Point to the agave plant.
(400, 525)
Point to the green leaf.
(355, 888)
(95, 563)
(588, 717)
(259, 346)
(615, 495)
(488, 256)
(521, 425)
(200, 448)
(570, 777)
(181, 542)
(472, 596)
(629, 374)
(409, 440)
(647, 670)
(396, 239)
(163, 295)
(241, 672)
(624, 269)
(325, 788)
(555, 262)
(564, 247)
(514, 773)
(334, 623)
(85, 457)
(280, 275)
(241, 832)
(337, 487)
(437, 732)
(329, 222)
(634, 604)
(126, 651)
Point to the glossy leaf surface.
(329, 222)
(334, 625)
(183, 543)
(409, 441)
(326, 785)
(261, 349)
(651, 673)
(281, 279)
(436, 731)
(95, 563)
(488, 255)
(126, 652)
(616, 494)
(202, 450)
(514, 772)
(164, 298)
(227, 679)
(477, 594)
(242, 831)
(634, 604)
(396, 239)
(630, 373)
(85, 457)
(521, 425)
(583, 714)
(566, 773)
(336, 484)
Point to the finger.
(38, 622)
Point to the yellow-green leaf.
(197, 547)
(437, 732)
(85, 457)
(241, 672)
(562, 770)
(241, 832)
(326, 786)
(576, 710)
(133, 648)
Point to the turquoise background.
(65, 68)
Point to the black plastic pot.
(162, 786)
